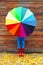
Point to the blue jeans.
(21, 42)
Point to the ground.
(14, 59)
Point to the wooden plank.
(30, 40)
(28, 45)
(26, 4)
(27, 42)
(21, 0)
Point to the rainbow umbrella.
(20, 22)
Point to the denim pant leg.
(19, 42)
(23, 42)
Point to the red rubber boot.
(19, 52)
(22, 52)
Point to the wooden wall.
(34, 42)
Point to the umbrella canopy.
(20, 22)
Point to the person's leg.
(23, 45)
(18, 42)
(19, 45)
(23, 42)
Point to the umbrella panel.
(17, 13)
(14, 29)
(11, 22)
(30, 21)
(11, 19)
(23, 12)
(11, 26)
(20, 32)
(28, 29)
(27, 14)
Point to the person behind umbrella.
(20, 24)
(21, 45)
